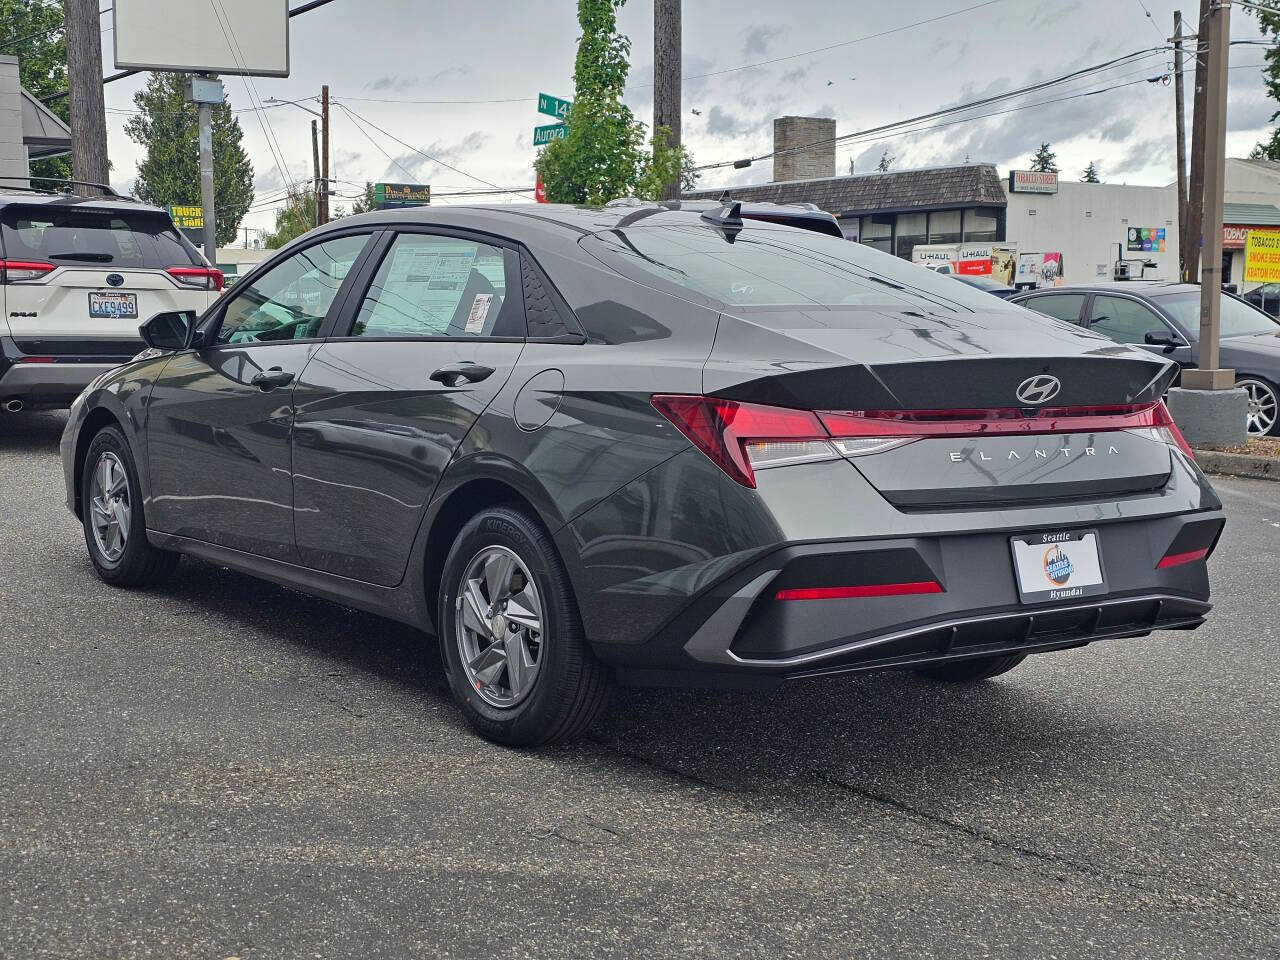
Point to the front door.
(1130, 321)
(220, 418)
(381, 410)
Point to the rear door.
(91, 276)
(1061, 306)
(220, 418)
(384, 404)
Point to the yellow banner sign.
(187, 217)
(1262, 257)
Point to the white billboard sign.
(203, 36)
(1032, 181)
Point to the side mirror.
(1155, 340)
(172, 330)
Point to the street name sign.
(553, 106)
(552, 131)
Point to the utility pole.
(1180, 125)
(84, 85)
(666, 78)
(322, 214)
(1195, 189)
(1207, 376)
(315, 164)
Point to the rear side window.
(68, 236)
(435, 286)
(1062, 306)
(1125, 320)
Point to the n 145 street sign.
(552, 131)
(553, 106)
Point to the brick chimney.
(792, 132)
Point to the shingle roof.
(1251, 214)
(973, 184)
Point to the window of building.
(978, 227)
(877, 233)
(912, 229)
(944, 226)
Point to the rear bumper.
(740, 629)
(54, 383)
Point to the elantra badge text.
(960, 456)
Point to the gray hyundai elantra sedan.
(648, 445)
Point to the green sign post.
(387, 196)
(552, 131)
(553, 106)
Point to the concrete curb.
(1238, 464)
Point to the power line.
(470, 176)
(959, 108)
(1143, 5)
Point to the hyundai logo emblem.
(115, 280)
(1039, 389)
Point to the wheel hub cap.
(110, 512)
(499, 627)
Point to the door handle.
(454, 373)
(271, 378)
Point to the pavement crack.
(655, 764)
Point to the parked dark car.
(1266, 298)
(652, 446)
(987, 285)
(1164, 318)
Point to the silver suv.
(77, 276)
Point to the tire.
(971, 671)
(502, 575)
(1264, 405)
(128, 561)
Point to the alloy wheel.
(499, 627)
(1262, 406)
(110, 511)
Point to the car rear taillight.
(740, 436)
(743, 437)
(201, 278)
(16, 271)
(1178, 559)
(859, 591)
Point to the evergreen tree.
(1044, 160)
(167, 128)
(886, 162)
(1090, 174)
(1268, 14)
(603, 154)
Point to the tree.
(1044, 160)
(603, 155)
(167, 128)
(366, 201)
(886, 162)
(1268, 14)
(295, 218)
(1090, 174)
(33, 31)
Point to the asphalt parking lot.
(223, 768)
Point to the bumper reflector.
(1177, 559)
(862, 590)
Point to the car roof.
(1142, 288)
(10, 196)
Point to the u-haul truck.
(995, 260)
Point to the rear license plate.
(113, 306)
(1057, 566)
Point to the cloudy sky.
(458, 82)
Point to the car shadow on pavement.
(31, 431)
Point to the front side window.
(290, 301)
(434, 286)
(1124, 320)
(1060, 306)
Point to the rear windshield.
(1239, 319)
(69, 236)
(769, 266)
